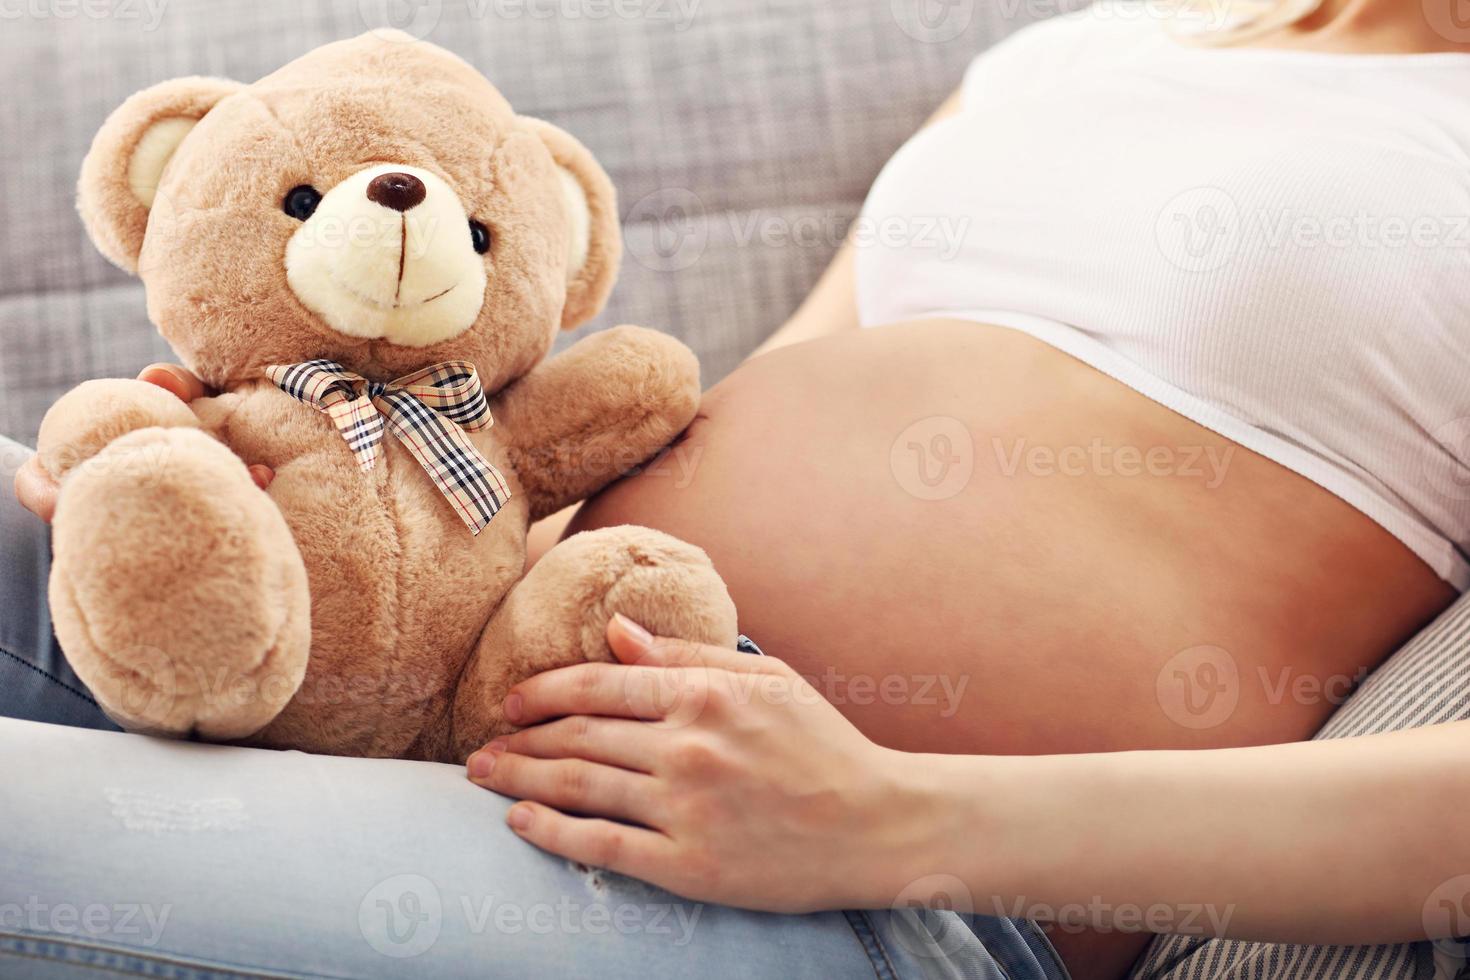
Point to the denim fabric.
(746, 645)
(36, 682)
(127, 856)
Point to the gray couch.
(742, 135)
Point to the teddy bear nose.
(401, 192)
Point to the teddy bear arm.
(94, 414)
(558, 614)
(590, 414)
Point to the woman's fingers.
(612, 690)
(632, 851)
(35, 489)
(610, 741)
(569, 784)
(658, 679)
(262, 475)
(173, 378)
(632, 644)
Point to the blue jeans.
(126, 856)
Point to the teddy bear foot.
(558, 615)
(176, 588)
(667, 586)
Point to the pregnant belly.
(974, 543)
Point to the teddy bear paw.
(177, 591)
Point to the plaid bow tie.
(429, 411)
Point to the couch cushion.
(726, 126)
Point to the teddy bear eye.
(480, 237)
(301, 202)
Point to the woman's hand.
(717, 775)
(37, 491)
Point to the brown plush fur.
(343, 611)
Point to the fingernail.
(176, 383)
(497, 745)
(480, 765)
(640, 635)
(262, 475)
(519, 818)
(512, 709)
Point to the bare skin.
(799, 496)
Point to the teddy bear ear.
(596, 243)
(121, 173)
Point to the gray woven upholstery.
(741, 118)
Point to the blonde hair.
(1220, 23)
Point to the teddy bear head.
(376, 202)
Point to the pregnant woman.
(1163, 450)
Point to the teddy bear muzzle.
(389, 254)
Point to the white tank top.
(1274, 244)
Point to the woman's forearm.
(831, 306)
(1350, 841)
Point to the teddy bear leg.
(558, 615)
(177, 590)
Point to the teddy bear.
(368, 255)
